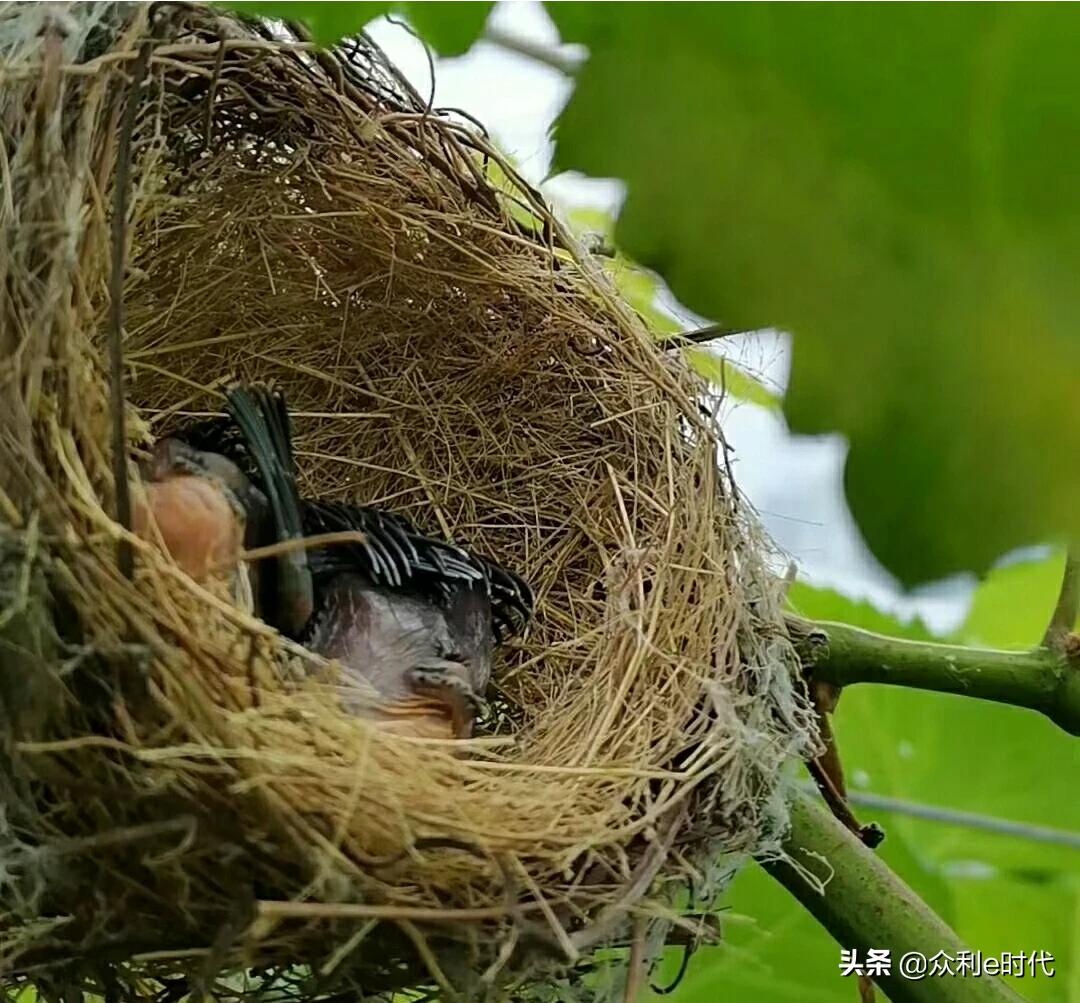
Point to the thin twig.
(827, 770)
(124, 556)
(635, 969)
(634, 890)
(566, 63)
(356, 910)
(409, 29)
(1067, 608)
(430, 961)
(703, 335)
(353, 536)
(833, 797)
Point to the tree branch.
(1041, 679)
(567, 63)
(865, 906)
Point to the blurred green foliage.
(896, 186)
(449, 27)
(1013, 599)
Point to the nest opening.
(186, 795)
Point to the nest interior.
(185, 795)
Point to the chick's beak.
(445, 684)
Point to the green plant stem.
(1040, 679)
(865, 905)
(1067, 607)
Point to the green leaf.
(772, 952)
(640, 288)
(828, 604)
(894, 185)
(1012, 606)
(588, 219)
(449, 28)
(1042, 916)
(327, 21)
(730, 377)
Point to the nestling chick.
(414, 618)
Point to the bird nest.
(187, 805)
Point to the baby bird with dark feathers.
(414, 618)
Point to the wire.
(966, 819)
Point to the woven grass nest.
(186, 805)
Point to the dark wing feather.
(256, 437)
(396, 555)
(262, 418)
(512, 602)
(388, 556)
(221, 436)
